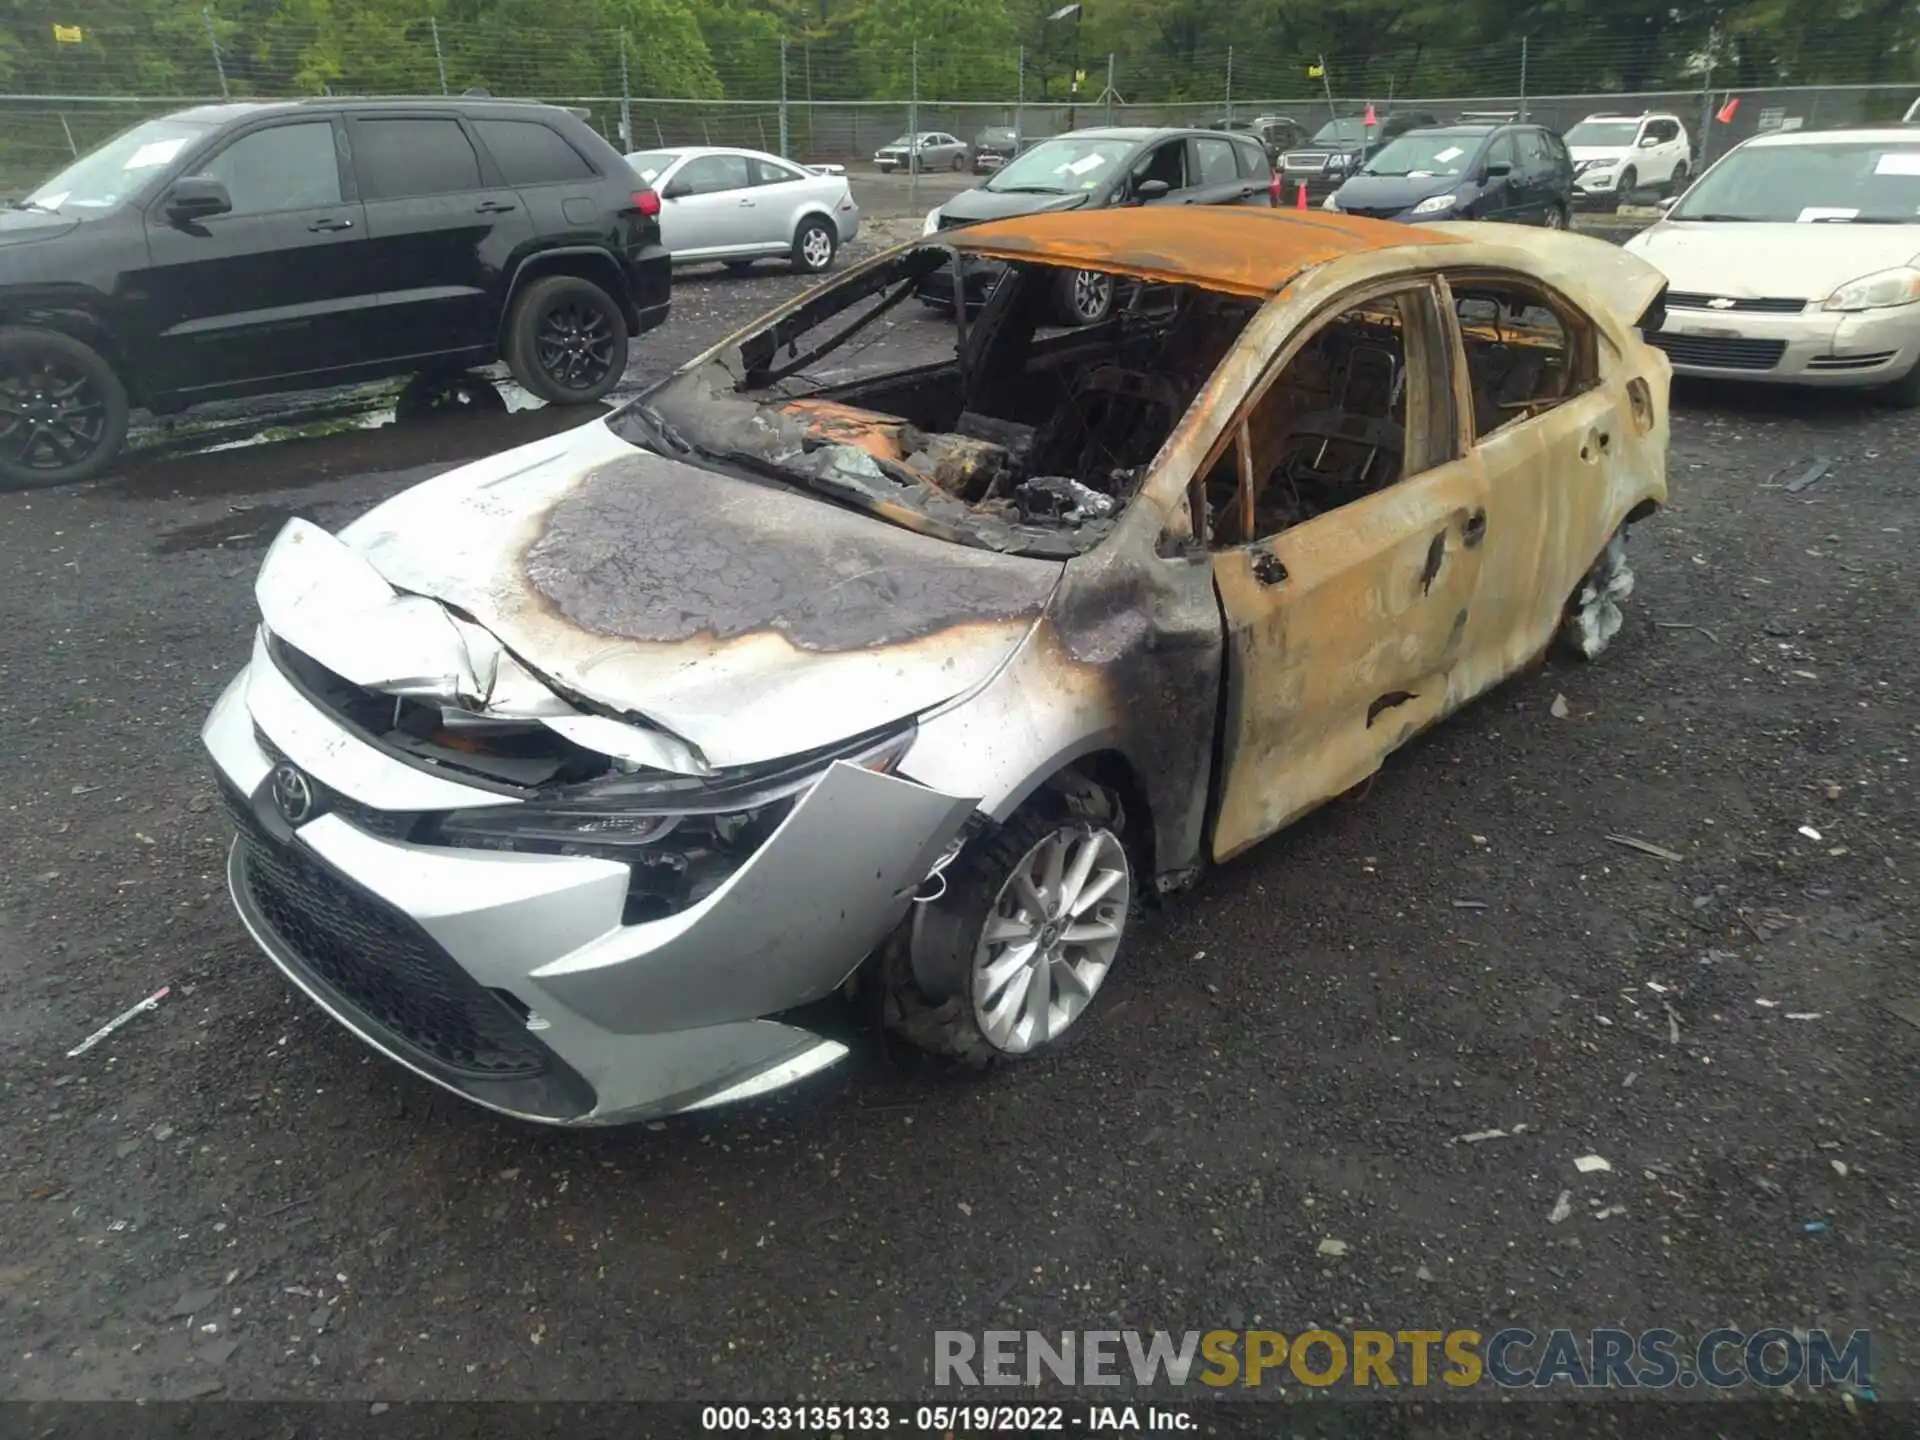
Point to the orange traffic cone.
(1300, 197)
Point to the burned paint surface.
(1242, 250)
(642, 552)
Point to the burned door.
(1345, 523)
(1563, 448)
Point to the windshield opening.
(1002, 430)
(1434, 153)
(1831, 182)
(650, 165)
(111, 173)
(1604, 134)
(1065, 166)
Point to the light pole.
(1071, 12)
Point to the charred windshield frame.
(1025, 437)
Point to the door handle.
(493, 207)
(1268, 568)
(1475, 529)
(327, 227)
(747, 202)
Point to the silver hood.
(748, 621)
(1750, 261)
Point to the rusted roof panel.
(1242, 249)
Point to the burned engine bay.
(1000, 430)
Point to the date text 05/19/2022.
(943, 1419)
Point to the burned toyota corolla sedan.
(863, 653)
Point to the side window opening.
(288, 167)
(1164, 162)
(1346, 418)
(1524, 354)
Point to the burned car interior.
(1002, 429)
(1525, 354)
(1331, 427)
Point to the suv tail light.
(646, 202)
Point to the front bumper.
(1815, 347)
(1604, 185)
(1319, 183)
(509, 978)
(987, 161)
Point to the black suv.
(1339, 148)
(247, 249)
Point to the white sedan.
(739, 206)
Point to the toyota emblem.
(292, 794)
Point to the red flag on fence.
(1370, 120)
(1727, 111)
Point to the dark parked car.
(1518, 173)
(1338, 149)
(1279, 133)
(1095, 169)
(994, 147)
(247, 249)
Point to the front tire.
(1677, 181)
(1014, 951)
(1623, 192)
(814, 246)
(566, 340)
(1557, 218)
(63, 410)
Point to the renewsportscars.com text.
(1512, 1358)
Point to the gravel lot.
(230, 1196)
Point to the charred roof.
(1242, 250)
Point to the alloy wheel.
(1051, 937)
(52, 415)
(1092, 295)
(574, 345)
(816, 248)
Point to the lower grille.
(382, 964)
(1851, 362)
(1719, 352)
(1764, 305)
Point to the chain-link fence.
(742, 82)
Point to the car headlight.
(1881, 290)
(932, 221)
(1434, 204)
(1339, 162)
(681, 836)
